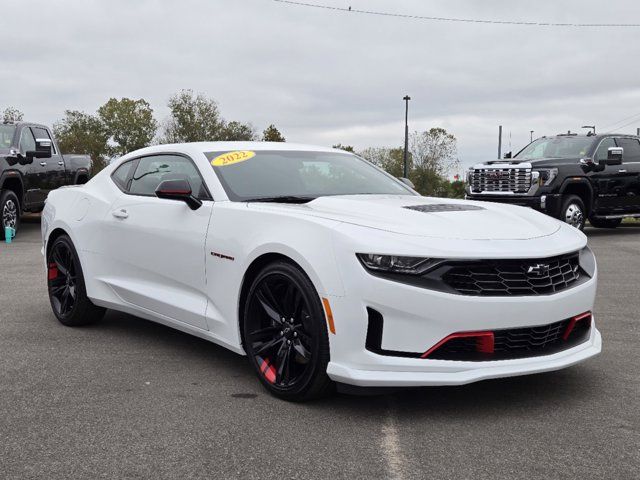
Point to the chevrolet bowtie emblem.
(540, 270)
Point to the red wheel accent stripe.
(52, 272)
(574, 321)
(485, 342)
(268, 370)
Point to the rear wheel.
(605, 222)
(9, 211)
(285, 333)
(67, 292)
(573, 211)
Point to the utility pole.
(531, 133)
(499, 142)
(638, 132)
(405, 171)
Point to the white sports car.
(321, 268)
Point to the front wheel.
(65, 282)
(9, 211)
(573, 211)
(285, 333)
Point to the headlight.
(547, 175)
(397, 263)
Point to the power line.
(635, 117)
(458, 20)
(625, 125)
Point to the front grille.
(517, 342)
(506, 180)
(514, 277)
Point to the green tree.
(236, 131)
(193, 118)
(129, 123)
(346, 148)
(389, 159)
(433, 157)
(272, 134)
(12, 114)
(79, 132)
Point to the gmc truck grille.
(514, 277)
(496, 180)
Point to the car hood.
(430, 217)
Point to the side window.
(40, 132)
(121, 175)
(27, 142)
(603, 149)
(631, 149)
(155, 169)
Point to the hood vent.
(443, 207)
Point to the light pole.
(405, 171)
(590, 127)
(531, 132)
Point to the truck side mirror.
(43, 150)
(614, 156)
(507, 155)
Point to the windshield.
(6, 135)
(556, 147)
(250, 175)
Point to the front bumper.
(402, 372)
(546, 203)
(415, 319)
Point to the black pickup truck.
(570, 177)
(31, 165)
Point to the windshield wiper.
(282, 199)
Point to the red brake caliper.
(267, 369)
(53, 271)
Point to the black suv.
(570, 177)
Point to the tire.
(66, 287)
(605, 223)
(573, 211)
(285, 333)
(9, 211)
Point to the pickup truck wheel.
(605, 222)
(9, 211)
(573, 211)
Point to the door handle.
(622, 170)
(61, 163)
(43, 164)
(121, 213)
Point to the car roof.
(195, 148)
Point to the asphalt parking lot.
(129, 398)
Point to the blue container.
(9, 233)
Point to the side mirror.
(407, 182)
(614, 156)
(507, 155)
(43, 150)
(178, 190)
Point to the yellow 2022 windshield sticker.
(230, 158)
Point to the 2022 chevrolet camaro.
(321, 268)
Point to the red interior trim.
(485, 342)
(573, 322)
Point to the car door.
(157, 246)
(36, 171)
(55, 172)
(630, 173)
(611, 183)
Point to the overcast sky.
(324, 77)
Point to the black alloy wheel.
(285, 333)
(65, 283)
